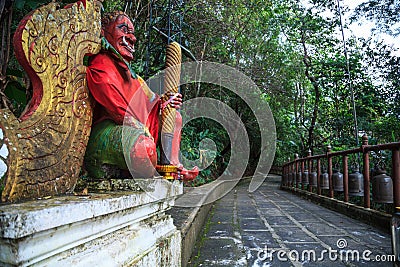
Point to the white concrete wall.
(109, 229)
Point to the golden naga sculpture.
(44, 149)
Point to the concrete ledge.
(110, 229)
(372, 217)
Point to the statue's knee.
(144, 156)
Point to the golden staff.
(168, 113)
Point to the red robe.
(118, 94)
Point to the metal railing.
(294, 172)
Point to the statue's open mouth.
(129, 47)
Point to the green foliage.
(15, 91)
(27, 4)
(193, 134)
(112, 5)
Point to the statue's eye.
(124, 28)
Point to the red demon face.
(120, 35)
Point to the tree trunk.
(317, 92)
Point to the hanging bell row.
(382, 184)
(356, 182)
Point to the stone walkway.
(271, 227)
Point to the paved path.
(271, 227)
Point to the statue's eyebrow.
(122, 25)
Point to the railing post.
(329, 150)
(346, 178)
(396, 176)
(367, 197)
(291, 174)
(291, 170)
(287, 172)
(318, 176)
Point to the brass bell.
(324, 180)
(313, 178)
(382, 187)
(337, 181)
(298, 177)
(304, 178)
(356, 183)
